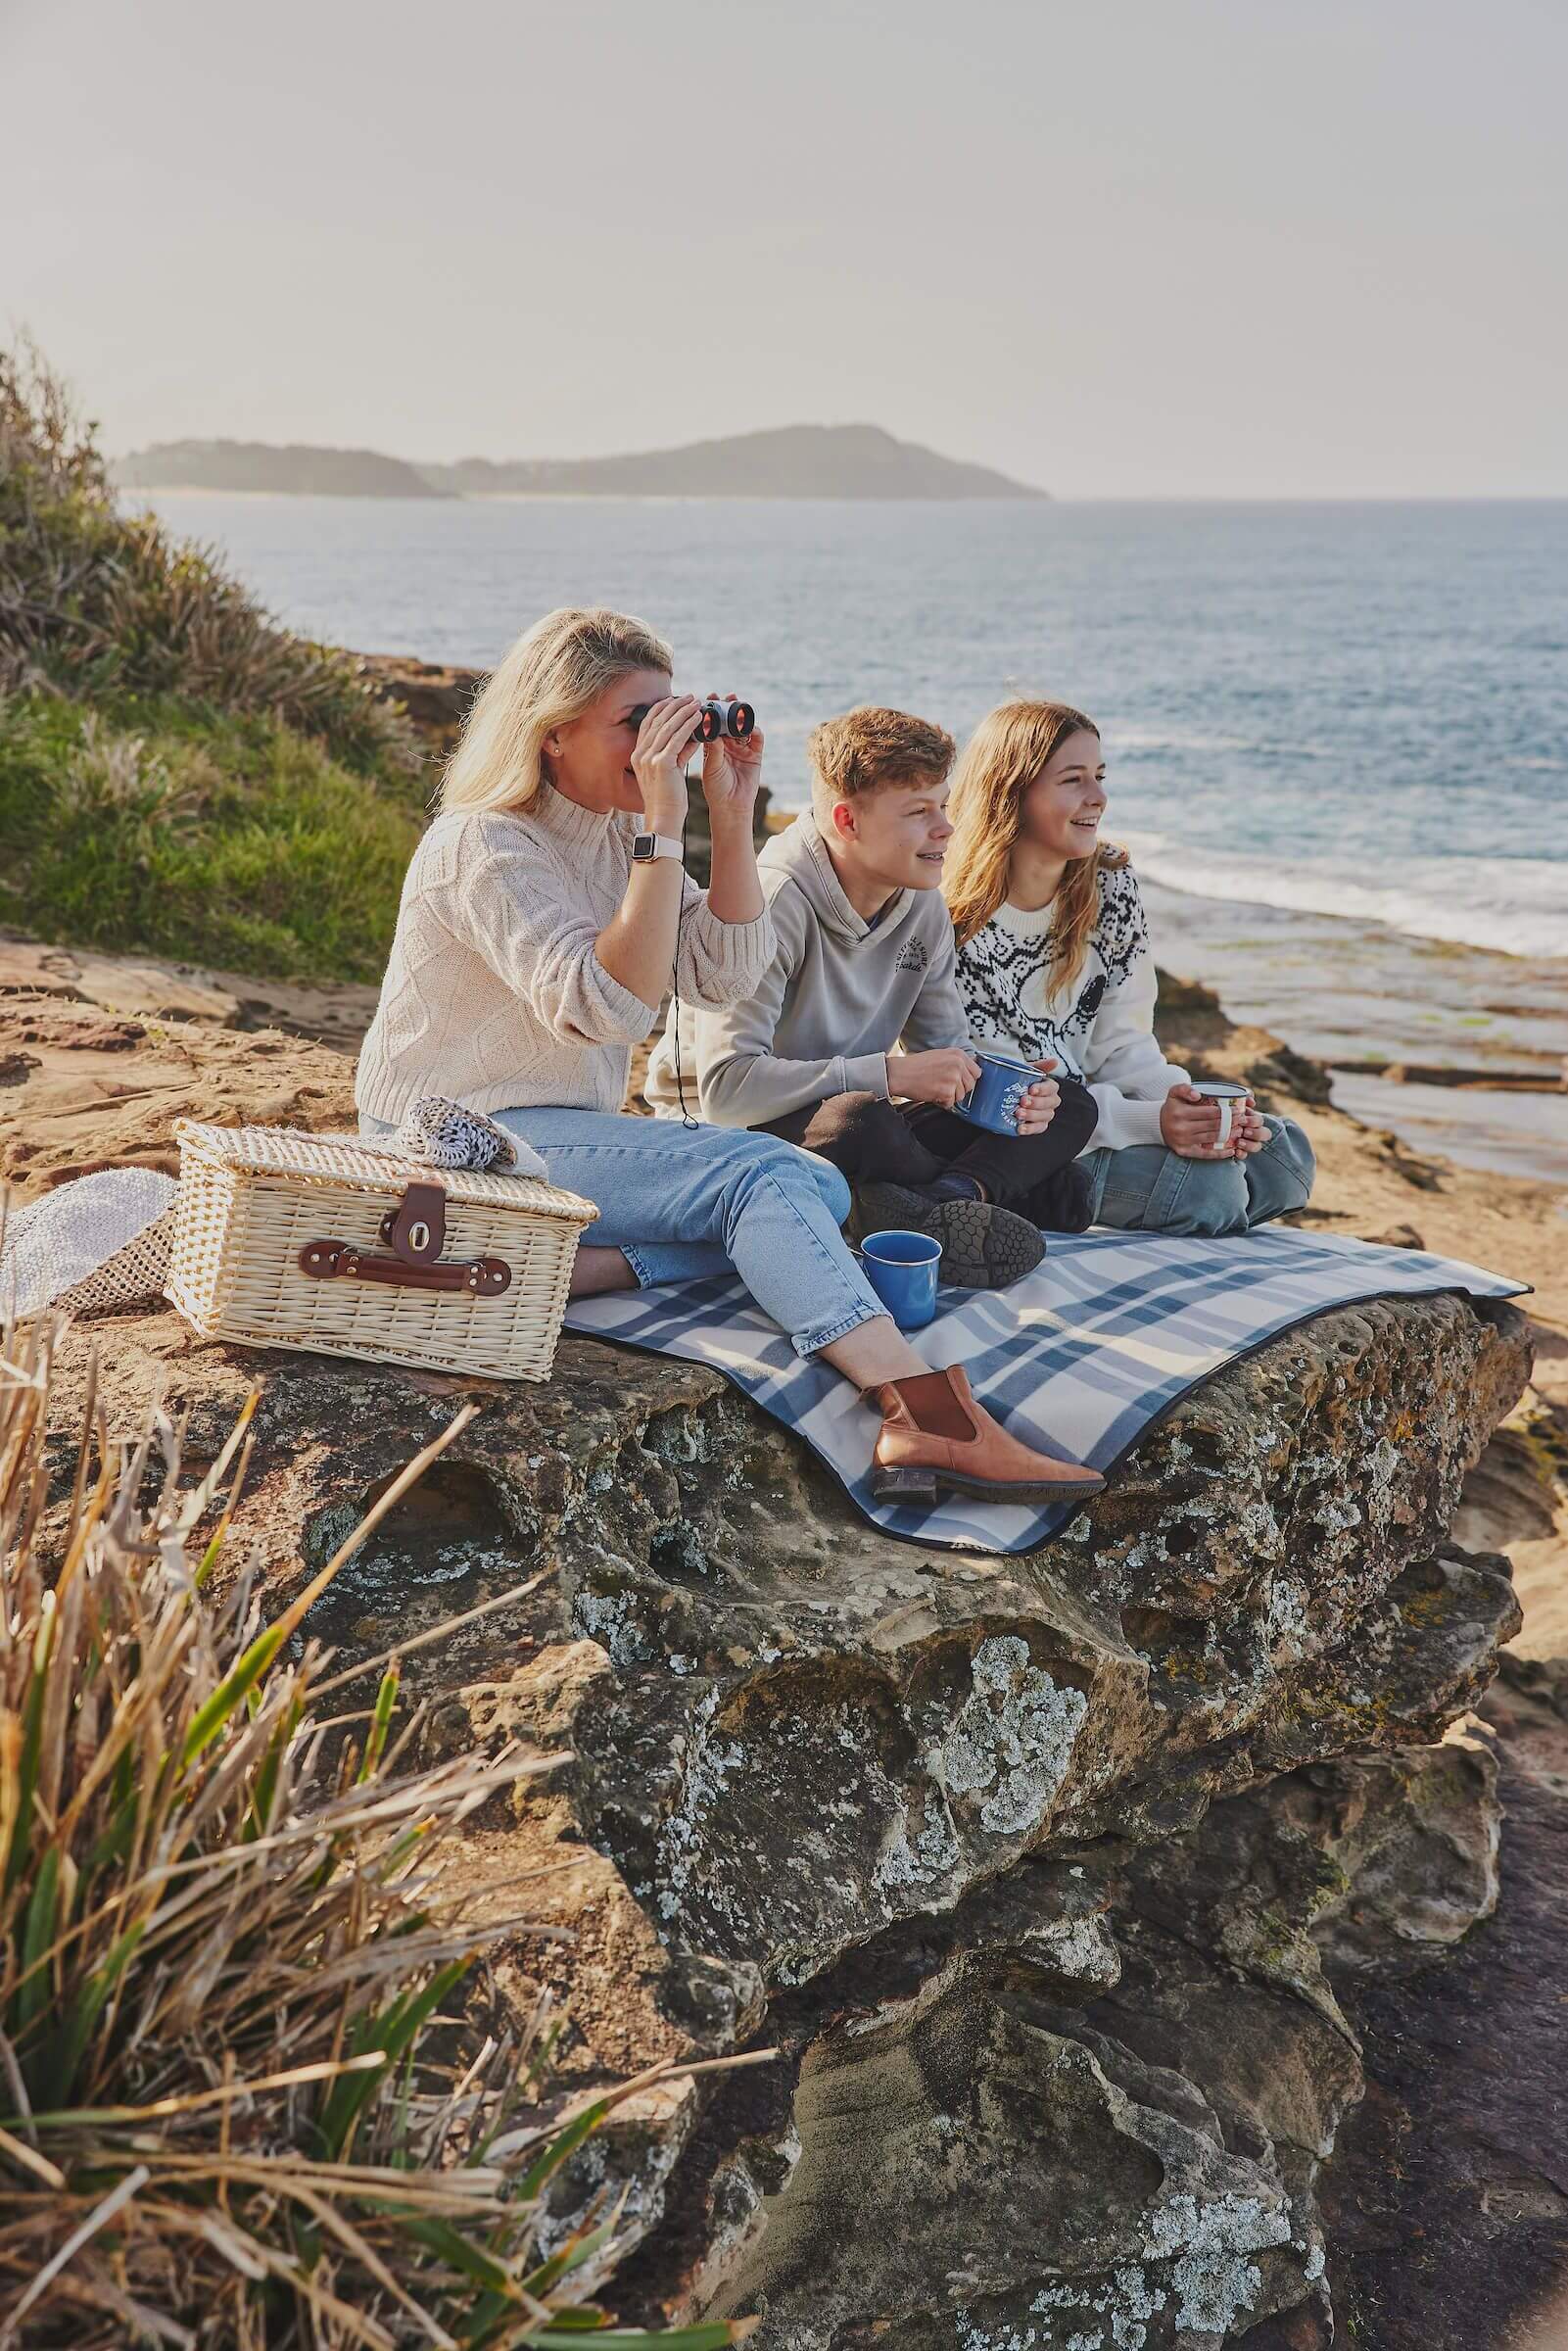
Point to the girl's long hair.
(552, 674)
(1001, 760)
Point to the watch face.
(642, 848)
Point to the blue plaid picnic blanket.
(1079, 1358)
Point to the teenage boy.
(855, 1044)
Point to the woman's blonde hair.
(1001, 760)
(551, 676)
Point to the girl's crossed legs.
(1148, 1188)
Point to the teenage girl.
(1054, 961)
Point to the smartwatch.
(646, 846)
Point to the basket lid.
(341, 1159)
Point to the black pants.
(872, 1140)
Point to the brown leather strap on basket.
(415, 1229)
(480, 1276)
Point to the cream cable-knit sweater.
(493, 994)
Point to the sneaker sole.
(983, 1247)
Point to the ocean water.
(1356, 709)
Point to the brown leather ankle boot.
(934, 1434)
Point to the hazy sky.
(1131, 247)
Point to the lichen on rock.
(1010, 1741)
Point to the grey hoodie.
(838, 995)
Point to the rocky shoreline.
(1081, 1894)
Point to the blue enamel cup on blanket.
(993, 1101)
(901, 1268)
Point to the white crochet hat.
(88, 1247)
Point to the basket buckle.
(416, 1229)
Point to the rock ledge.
(1040, 1872)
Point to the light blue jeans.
(1146, 1188)
(683, 1204)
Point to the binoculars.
(714, 718)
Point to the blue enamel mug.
(901, 1268)
(993, 1101)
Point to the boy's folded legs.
(1028, 1185)
(1034, 1173)
(899, 1181)
(983, 1247)
(867, 1137)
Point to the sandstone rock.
(972, 1840)
(115, 983)
(1516, 1498)
(1446, 2205)
(1047, 2165)
(1189, 1008)
(1415, 1837)
(435, 695)
(812, 1729)
(1022, 2186)
(75, 1099)
(337, 1012)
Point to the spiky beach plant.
(234, 2112)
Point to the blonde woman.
(1054, 962)
(543, 916)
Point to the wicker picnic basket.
(341, 1247)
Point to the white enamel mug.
(1224, 1092)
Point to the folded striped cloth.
(1080, 1357)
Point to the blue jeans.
(683, 1204)
(1146, 1188)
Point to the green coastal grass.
(179, 776)
(157, 826)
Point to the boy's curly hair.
(872, 747)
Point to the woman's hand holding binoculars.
(732, 760)
(732, 770)
(658, 761)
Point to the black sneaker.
(983, 1247)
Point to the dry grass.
(233, 2110)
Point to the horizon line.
(791, 498)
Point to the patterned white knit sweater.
(1099, 1030)
(493, 995)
